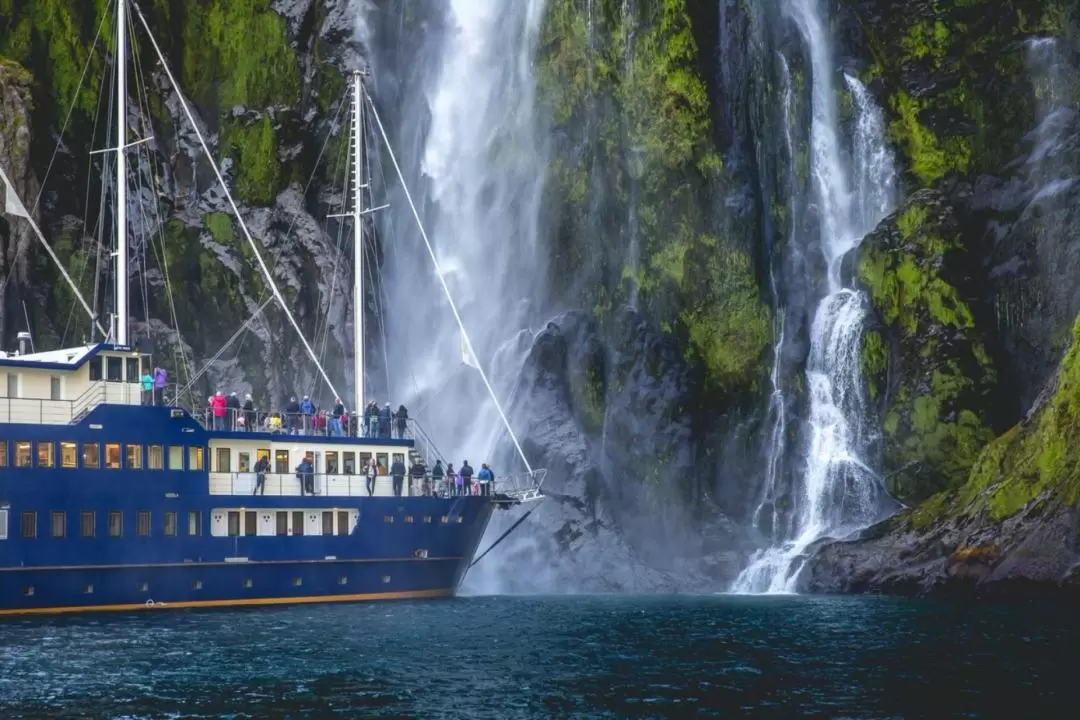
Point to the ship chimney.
(26, 343)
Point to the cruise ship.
(113, 498)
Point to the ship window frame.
(348, 462)
(382, 461)
(56, 387)
(251, 523)
(297, 531)
(87, 529)
(129, 376)
(118, 516)
(143, 518)
(232, 522)
(155, 460)
(86, 463)
(114, 362)
(69, 454)
(58, 524)
(95, 366)
(281, 529)
(137, 456)
(331, 462)
(3, 453)
(176, 457)
(222, 453)
(5, 514)
(343, 523)
(18, 383)
(279, 466)
(196, 458)
(24, 455)
(194, 522)
(113, 450)
(48, 458)
(170, 524)
(243, 461)
(328, 515)
(28, 524)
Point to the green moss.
(930, 158)
(875, 362)
(925, 39)
(254, 147)
(592, 406)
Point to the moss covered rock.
(927, 364)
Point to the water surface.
(550, 657)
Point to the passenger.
(261, 468)
(451, 480)
(318, 423)
(274, 422)
(437, 476)
(217, 408)
(249, 412)
(418, 479)
(384, 422)
(484, 477)
(466, 477)
(233, 405)
(401, 417)
(307, 409)
(337, 418)
(147, 388)
(397, 471)
(292, 415)
(160, 378)
(305, 473)
(371, 472)
(371, 414)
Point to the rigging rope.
(217, 356)
(442, 281)
(232, 203)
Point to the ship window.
(86, 524)
(89, 589)
(142, 526)
(28, 591)
(112, 456)
(58, 522)
(234, 523)
(22, 453)
(91, 455)
(342, 580)
(95, 369)
(170, 524)
(380, 460)
(114, 369)
(348, 462)
(328, 522)
(460, 519)
(223, 457)
(134, 457)
(262, 453)
(332, 467)
(13, 385)
(195, 458)
(342, 522)
(281, 461)
(69, 455)
(196, 584)
(194, 523)
(45, 454)
(386, 579)
(116, 523)
(29, 524)
(444, 519)
(427, 519)
(282, 522)
(297, 582)
(176, 457)
(251, 520)
(155, 458)
(56, 388)
(298, 522)
(4, 522)
(144, 587)
(243, 462)
(132, 368)
(388, 519)
(399, 457)
(247, 582)
(3, 453)
(364, 458)
(409, 519)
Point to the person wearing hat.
(307, 409)
(385, 416)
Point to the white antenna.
(121, 280)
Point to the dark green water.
(552, 657)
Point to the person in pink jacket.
(217, 408)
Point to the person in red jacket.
(217, 407)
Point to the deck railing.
(40, 411)
(281, 484)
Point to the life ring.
(150, 603)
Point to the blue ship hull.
(71, 560)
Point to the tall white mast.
(121, 279)
(358, 240)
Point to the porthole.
(196, 585)
(297, 582)
(388, 519)
(444, 519)
(427, 519)
(144, 587)
(420, 553)
(247, 583)
(385, 579)
(28, 590)
(343, 580)
(460, 519)
(409, 519)
(89, 589)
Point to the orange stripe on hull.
(239, 602)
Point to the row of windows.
(44, 454)
(101, 368)
(144, 587)
(335, 462)
(88, 524)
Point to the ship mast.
(121, 280)
(358, 240)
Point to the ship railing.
(300, 424)
(291, 484)
(42, 411)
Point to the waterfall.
(838, 492)
(460, 77)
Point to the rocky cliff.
(650, 161)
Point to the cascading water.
(467, 135)
(838, 493)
